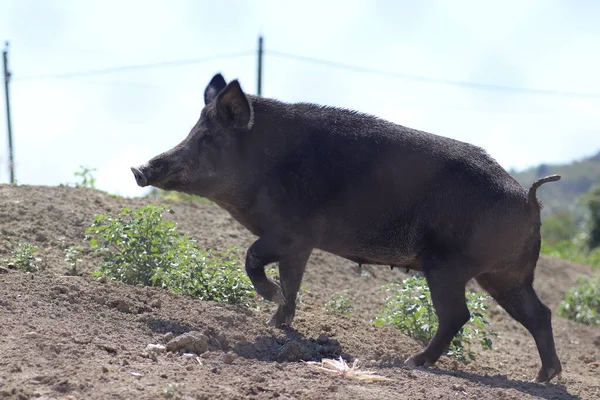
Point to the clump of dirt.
(65, 335)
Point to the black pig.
(303, 176)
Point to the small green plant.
(410, 309)
(139, 247)
(170, 391)
(23, 257)
(338, 304)
(86, 177)
(72, 257)
(582, 302)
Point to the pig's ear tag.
(233, 107)
(217, 83)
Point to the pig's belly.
(375, 256)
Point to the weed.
(170, 391)
(72, 257)
(582, 302)
(338, 304)
(23, 258)
(139, 247)
(86, 178)
(410, 309)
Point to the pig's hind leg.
(516, 295)
(446, 278)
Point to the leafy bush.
(582, 302)
(86, 177)
(574, 250)
(140, 247)
(559, 226)
(23, 257)
(410, 309)
(338, 304)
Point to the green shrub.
(86, 179)
(23, 258)
(410, 309)
(582, 302)
(338, 304)
(573, 250)
(139, 247)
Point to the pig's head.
(209, 159)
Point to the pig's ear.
(233, 107)
(217, 83)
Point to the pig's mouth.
(140, 178)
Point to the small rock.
(3, 270)
(229, 357)
(102, 279)
(156, 303)
(188, 355)
(168, 336)
(191, 342)
(108, 347)
(142, 318)
(458, 388)
(11, 266)
(104, 369)
(32, 335)
(156, 348)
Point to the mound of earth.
(64, 335)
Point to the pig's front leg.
(270, 249)
(291, 270)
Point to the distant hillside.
(577, 178)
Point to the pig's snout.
(140, 178)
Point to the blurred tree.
(542, 170)
(559, 226)
(594, 207)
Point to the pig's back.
(381, 186)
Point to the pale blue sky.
(112, 121)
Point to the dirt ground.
(68, 336)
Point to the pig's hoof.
(545, 376)
(417, 360)
(278, 297)
(271, 291)
(280, 319)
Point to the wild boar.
(303, 177)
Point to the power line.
(327, 63)
(419, 78)
(162, 64)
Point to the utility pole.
(260, 60)
(11, 164)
